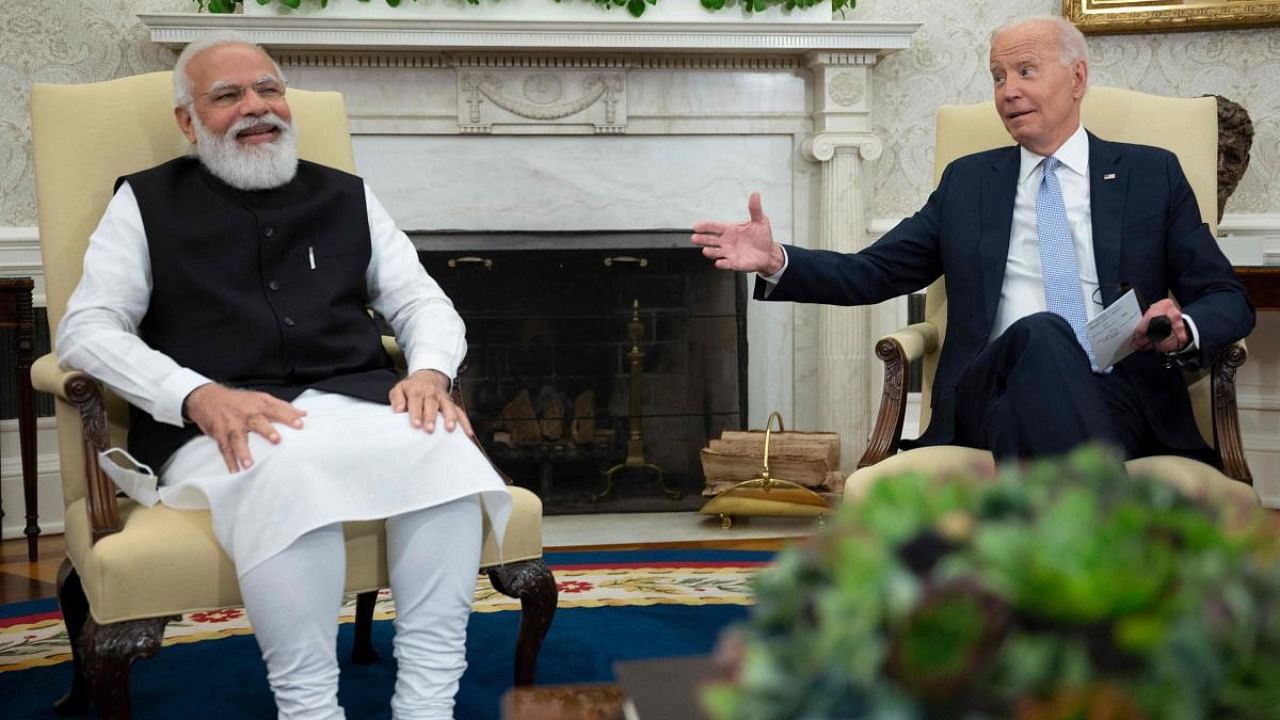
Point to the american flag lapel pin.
(1109, 176)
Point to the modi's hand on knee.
(424, 395)
(228, 416)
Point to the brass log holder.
(767, 495)
(635, 433)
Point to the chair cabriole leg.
(109, 652)
(362, 650)
(75, 610)
(532, 583)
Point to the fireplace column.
(843, 142)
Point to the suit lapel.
(998, 193)
(1108, 186)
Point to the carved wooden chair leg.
(109, 652)
(75, 610)
(533, 584)
(362, 650)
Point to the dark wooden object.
(564, 702)
(1263, 285)
(16, 312)
(104, 654)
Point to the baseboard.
(48, 479)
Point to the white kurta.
(352, 460)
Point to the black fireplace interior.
(558, 337)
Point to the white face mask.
(135, 479)
(248, 167)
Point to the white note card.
(1111, 332)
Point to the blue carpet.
(225, 679)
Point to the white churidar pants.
(281, 523)
(292, 599)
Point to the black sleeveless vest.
(263, 290)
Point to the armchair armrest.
(85, 395)
(897, 351)
(1226, 420)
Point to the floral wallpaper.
(62, 41)
(87, 40)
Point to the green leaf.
(635, 7)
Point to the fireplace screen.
(594, 377)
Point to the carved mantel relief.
(587, 99)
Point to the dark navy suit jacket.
(1147, 233)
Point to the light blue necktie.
(1062, 293)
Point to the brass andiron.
(766, 495)
(635, 434)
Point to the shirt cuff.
(173, 392)
(774, 278)
(1188, 356)
(432, 361)
(1193, 332)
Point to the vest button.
(273, 285)
(268, 231)
(288, 321)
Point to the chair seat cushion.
(1189, 477)
(120, 577)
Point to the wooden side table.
(16, 312)
(563, 702)
(1263, 284)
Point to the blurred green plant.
(635, 7)
(1064, 591)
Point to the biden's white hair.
(1072, 42)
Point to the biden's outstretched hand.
(744, 246)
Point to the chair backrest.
(86, 136)
(1186, 126)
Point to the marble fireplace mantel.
(474, 127)
(416, 34)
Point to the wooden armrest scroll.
(84, 393)
(897, 352)
(1226, 419)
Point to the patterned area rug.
(38, 638)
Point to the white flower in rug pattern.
(574, 586)
(38, 639)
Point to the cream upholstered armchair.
(129, 568)
(1186, 126)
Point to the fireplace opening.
(595, 375)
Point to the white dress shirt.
(98, 334)
(1022, 292)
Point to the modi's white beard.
(248, 167)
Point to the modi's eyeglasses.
(269, 89)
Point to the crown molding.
(174, 30)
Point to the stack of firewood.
(810, 459)
(522, 423)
